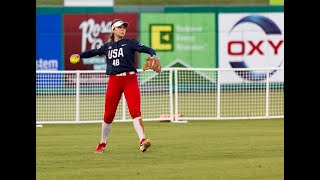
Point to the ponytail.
(111, 37)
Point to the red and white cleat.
(100, 148)
(144, 144)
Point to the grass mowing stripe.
(239, 149)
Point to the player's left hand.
(153, 63)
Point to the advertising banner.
(83, 32)
(180, 39)
(48, 42)
(251, 40)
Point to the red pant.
(122, 84)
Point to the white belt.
(125, 73)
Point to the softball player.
(119, 54)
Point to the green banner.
(276, 2)
(180, 39)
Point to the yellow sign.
(161, 38)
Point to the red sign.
(83, 32)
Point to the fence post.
(123, 107)
(77, 96)
(218, 94)
(267, 94)
(176, 91)
(171, 94)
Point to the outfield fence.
(176, 94)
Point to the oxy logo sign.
(161, 37)
(255, 41)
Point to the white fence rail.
(174, 94)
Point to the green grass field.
(235, 150)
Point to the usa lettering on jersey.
(115, 54)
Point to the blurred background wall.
(185, 33)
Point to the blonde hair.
(111, 37)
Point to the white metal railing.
(174, 94)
